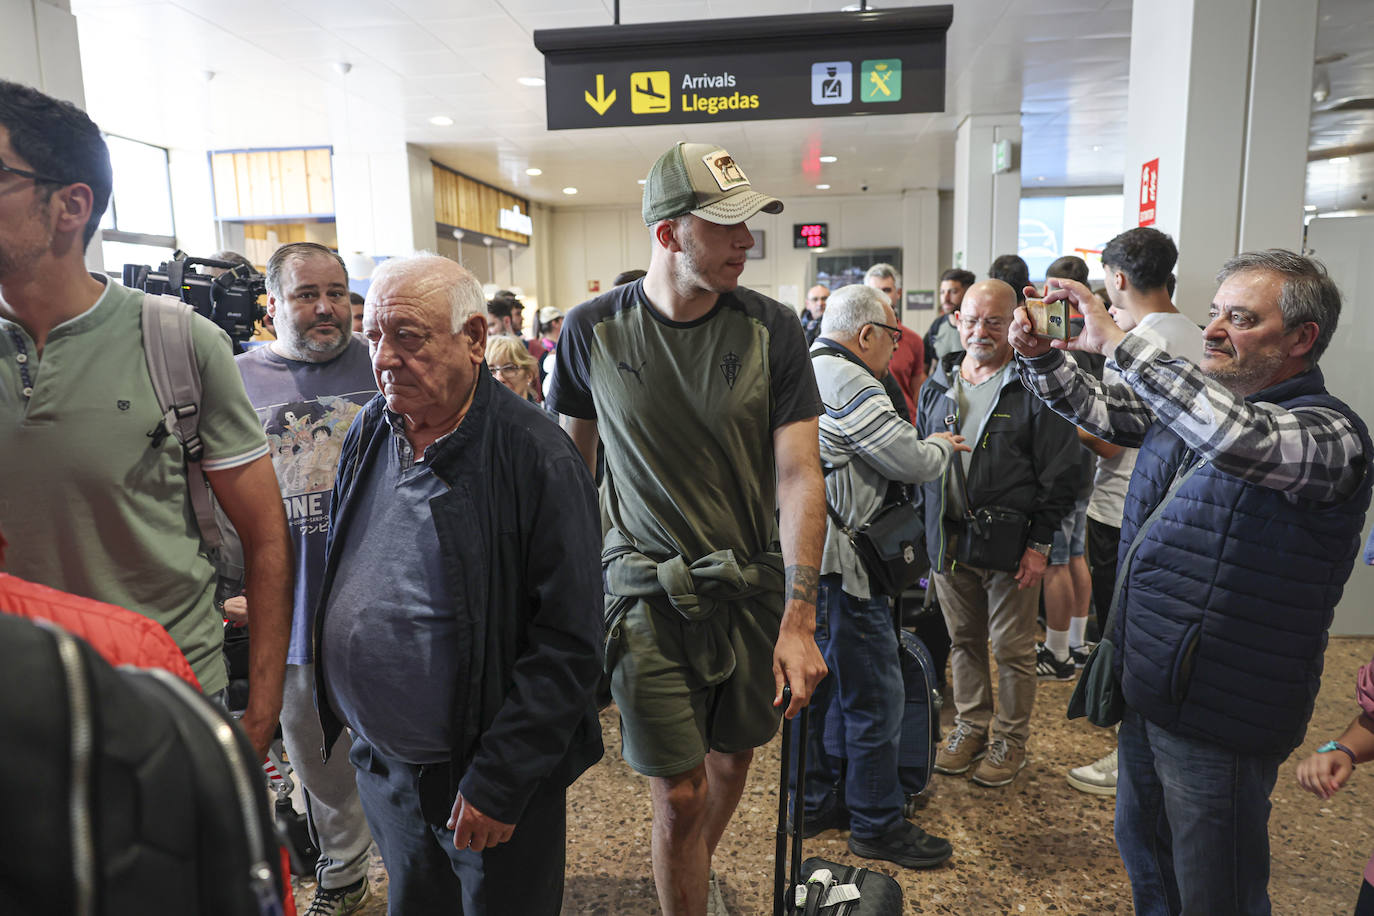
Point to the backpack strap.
(171, 357)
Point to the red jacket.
(121, 637)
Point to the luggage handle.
(784, 880)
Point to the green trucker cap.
(704, 180)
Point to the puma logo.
(625, 367)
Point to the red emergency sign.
(1149, 191)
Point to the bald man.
(467, 680)
(989, 524)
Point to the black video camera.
(230, 300)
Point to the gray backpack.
(171, 357)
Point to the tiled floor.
(1035, 846)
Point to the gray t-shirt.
(391, 632)
(975, 402)
(946, 338)
(305, 409)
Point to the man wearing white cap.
(703, 395)
(549, 325)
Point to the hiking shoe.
(1097, 778)
(336, 901)
(961, 748)
(1047, 667)
(832, 818)
(1003, 761)
(1079, 654)
(906, 844)
(715, 901)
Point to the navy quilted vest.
(1228, 599)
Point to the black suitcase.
(880, 895)
(124, 791)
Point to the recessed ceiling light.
(1039, 177)
(441, 121)
(830, 159)
(643, 181)
(533, 173)
(530, 80)
(1340, 160)
(1310, 208)
(570, 190)
(1097, 147)
(822, 187)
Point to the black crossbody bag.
(994, 537)
(888, 546)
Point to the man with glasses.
(319, 374)
(103, 503)
(989, 522)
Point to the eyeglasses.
(507, 369)
(25, 173)
(990, 324)
(895, 332)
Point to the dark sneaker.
(835, 818)
(907, 845)
(1047, 667)
(961, 748)
(1079, 654)
(339, 900)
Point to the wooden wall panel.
(267, 183)
(469, 204)
(320, 181)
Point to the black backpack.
(124, 791)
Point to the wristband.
(1330, 746)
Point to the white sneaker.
(1097, 778)
(715, 901)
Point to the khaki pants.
(982, 606)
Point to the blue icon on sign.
(832, 83)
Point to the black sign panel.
(810, 235)
(759, 68)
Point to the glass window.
(142, 199)
(114, 255)
(1051, 227)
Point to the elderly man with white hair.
(458, 634)
(868, 451)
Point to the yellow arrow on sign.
(601, 101)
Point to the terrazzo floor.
(1035, 846)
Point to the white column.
(1219, 95)
(384, 201)
(986, 205)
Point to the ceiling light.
(534, 173)
(1097, 147)
(643, 181)
(441, 121)
(1310, 208)
(530, 80)
(830, 159)
(822, 187)
(1039, 177)
(570, 190)
(1340, 160)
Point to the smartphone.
(1054, 320)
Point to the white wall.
(193, 202)
(594, 244)
(1346, 247)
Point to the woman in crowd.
(512, 365)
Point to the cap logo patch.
(724, 170)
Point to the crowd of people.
(460, 543)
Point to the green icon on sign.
(881, 81)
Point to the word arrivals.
(708, 81)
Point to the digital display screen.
(809, 235)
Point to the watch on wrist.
(1330, 746)
(1039, 548)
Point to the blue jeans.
(864, 689)
(1192, 822)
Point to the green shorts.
(684, 688)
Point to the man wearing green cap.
(703, 395)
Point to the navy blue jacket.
(1025, 457)
(1226, 602)
(520, 536)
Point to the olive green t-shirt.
(687, 412)
(88, 504)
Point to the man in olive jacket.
(459, 632)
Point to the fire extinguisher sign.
(1149, 191)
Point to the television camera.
(229, 298)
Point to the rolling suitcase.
(124, 791)
(794, 890)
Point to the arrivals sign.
(755, 68)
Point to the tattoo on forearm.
(801, 582)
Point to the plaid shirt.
(1310, 452)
